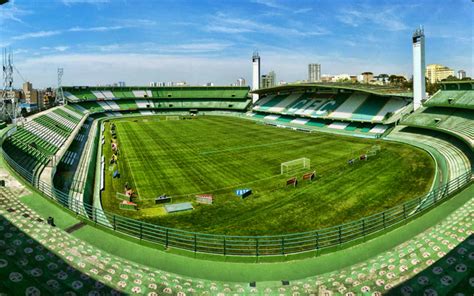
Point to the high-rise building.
(268, 80)
(240, 82)
(367, 77)
(461, 74)
(255, 75)
(31, 95)
(436, 72)
(419, 84)
(121, 83)
(314, 72)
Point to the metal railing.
(250, 245)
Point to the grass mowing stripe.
(247, 147)
(166, 157)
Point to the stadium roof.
(184, 87)
(457, 84)
(368, 88)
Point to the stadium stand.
(369, 108)
(453, 94)
(305, 104)
(360, 111)
(52, 260)
(456, 121)
(198, 98)
(78, 93)
(341, 104)
(360, 129)
(391, 107)
(40, 259)
(35, 142)
(450, 110)
(349, 106)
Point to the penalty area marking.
(250, 146)
(321, 173)
(130, 169)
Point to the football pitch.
(218, 155)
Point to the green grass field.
(217, 155)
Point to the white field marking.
(251, 146)
(319, 172)
(129, 167)
(237, 148)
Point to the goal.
(295, 165)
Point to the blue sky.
(138, 41)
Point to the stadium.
(304, 188)
(119, 162)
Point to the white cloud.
(198, 47)
(38, 34)
(135, 69)
(70, 2)
(42, 34)
(194, 47)
(273, 4)
(226, 29)
(11, 12)
(139, 68)
(223, 23)
(61, 48)
(387, 18)
(303, 10)
(95, 29)
(270, 3)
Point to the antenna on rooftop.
(59, 91)
(8, 104)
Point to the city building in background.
(29, 100)
(314, 72)
(341, 78)
(367, 77)
(436, 72)
(268, 80)
(241, 82)
(327, 78)
(461, 74)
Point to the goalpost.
(295, 165)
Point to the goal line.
(295, 165)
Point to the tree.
(384, 78)
(397, 80)
(450, 78)
(431, 88)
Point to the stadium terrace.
(300, 189)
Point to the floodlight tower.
(419, 83)
(59, 91)
(8, 95)
(255, 75)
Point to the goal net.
(295, 165)
(172, 117)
